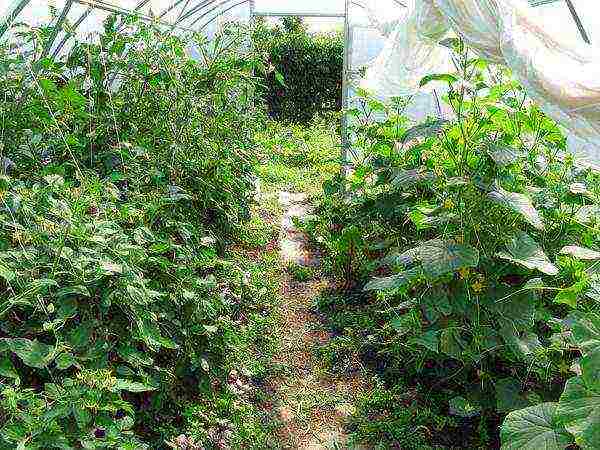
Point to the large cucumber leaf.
(524, 251)
(519, 203)
(534, 428)
(396, 281)
(579, 408)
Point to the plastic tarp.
(559, 72)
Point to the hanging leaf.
(407, 178)
(393, 282)
(519, 203)
(504, 156)
(32, 353)
(6, 273)
(440, 259)
(446, 77)
(524, 251)
(424, 130)
(534, 428)
(580, 252)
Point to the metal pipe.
(345, 75)
(56, 28)
(298, 14)
(13, 12)
(217, 15)
(64, 40)
(577, 20)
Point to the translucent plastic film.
(560, 73)
(303, 7)
(85, 17)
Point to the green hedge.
(305, 75)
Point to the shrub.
(306, 75)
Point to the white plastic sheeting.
(559, 72)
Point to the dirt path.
(312, 404)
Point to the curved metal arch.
(12, 13)
(204, 25)
(218, 12)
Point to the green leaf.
(393, 282)
(580, 252)
(517, 311)
(519, 203)
(587, 214)
(150, 333)
(32, 353)
(280, 79)
(134, 357)
(407, 178)
(7, 273)
(402, 324)
(440, 259)
(448, 78)
(425, 130)
(586, 331)
(460, 406)
(508, 395)
(579, 405)
(524, 251)
(534, 428)
(504, 156)
(7, 369)
(428, 340)
(451, 342)
(73, 291)
(132, 386)
(567, 297)
(65, 360)
(586, 334)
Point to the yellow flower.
(478, 286)
(460, 239)
(2, 194)
(464, 273)
(448, 203)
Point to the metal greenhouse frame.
(196, 15)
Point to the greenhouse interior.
(300, 224)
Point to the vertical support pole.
(345, 93)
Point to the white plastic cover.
(560, 73)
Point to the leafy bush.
(483, 233)
(124, 167)
(306, 70)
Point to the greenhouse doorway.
(339, 10)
